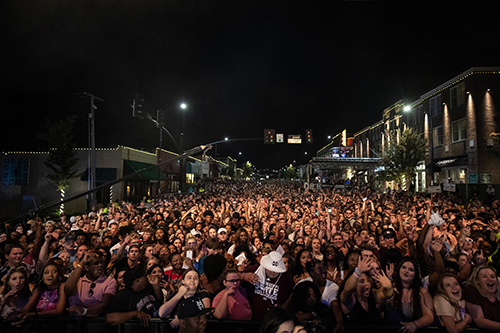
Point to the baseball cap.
(221, 230)
(192, 307)
(389, 233)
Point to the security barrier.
(98, 325)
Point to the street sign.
(434, 189)
(486, 178)
(449, 187)
(294, 138)
(473, 178)
(279, 138)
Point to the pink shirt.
(84, 297)
(238, 307)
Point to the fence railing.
(98, 325)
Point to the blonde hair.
(474, 280)
(441, 292)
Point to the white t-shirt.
(330, 293)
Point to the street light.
(183, 106)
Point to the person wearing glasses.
(231, 303)
(89, 294)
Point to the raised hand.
(382, 279)
(364, 265)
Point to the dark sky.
(241, 66)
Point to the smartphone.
(189, 254)
(329, 210)
(364, 199)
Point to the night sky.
(241, 66)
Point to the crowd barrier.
(98, 325)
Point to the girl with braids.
(411, 305)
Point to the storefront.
(452, 169)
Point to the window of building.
(437, 136)
(457, 95)
(459, 130)
(435, 105)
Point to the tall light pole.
(92, 153)
(183, 107)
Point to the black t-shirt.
(128, 300)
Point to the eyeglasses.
(91, 290)
(468, 239)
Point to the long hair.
(273, 319)
(297, 269)
(237, 238)
(442, 292)
(25, 291)
(300, 295)
(415, 288)
(474, 280)
(60, 275)
(336, 261)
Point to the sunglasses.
(468, 239)
(91, 290)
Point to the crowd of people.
(291, 259)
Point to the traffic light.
(309, 136)
(269, 136)
(138, 106)
(161, 117)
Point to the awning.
(144, 170)
(451, 162)
(103, 175)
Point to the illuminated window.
(459, 130)
(189, 178)
(457, 95)
(461, 175)
(437, 136)
(435, 105)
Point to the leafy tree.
(402, 157)
(62, 158)
(496, 136)
(290, 173)
(247, 170)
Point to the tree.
(62, 158)
(290, 173)
(402, 157)
(247, 170)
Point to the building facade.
(456, 119)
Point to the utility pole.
(92, 153)
(159, 123)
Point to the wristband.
(84, 311)
(79, 266)
(356, 273)
(414, 323)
